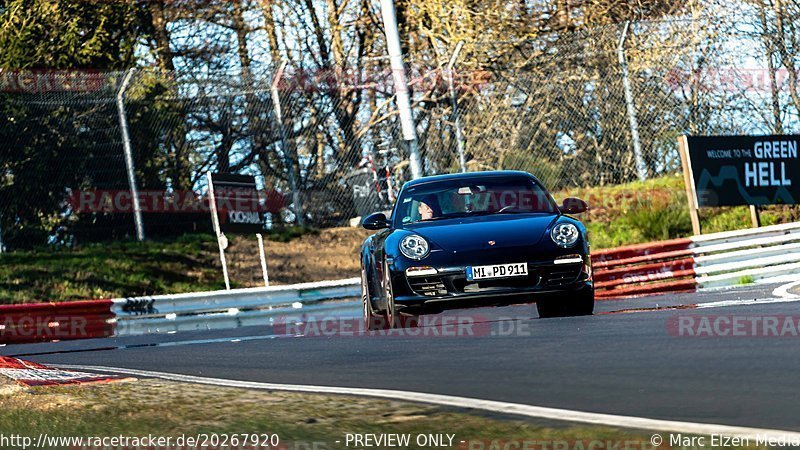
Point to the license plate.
(497, 271)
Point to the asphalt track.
(624, 360)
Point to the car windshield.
(472, 197)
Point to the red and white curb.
(32, 374)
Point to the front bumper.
(449, 287)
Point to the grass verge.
(108, 270)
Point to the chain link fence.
(594, 108)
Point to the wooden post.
(755, 216)
(688, 181)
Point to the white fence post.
(263, 258)
(222, 241)
(126, 145)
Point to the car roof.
(470, 176)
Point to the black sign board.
(744, 170)
(365, 194)
(238, 206)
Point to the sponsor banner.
(33, 374)
(745, 170)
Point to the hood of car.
(485, 232)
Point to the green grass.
(109, 270)
(747, 279)
(160, 408)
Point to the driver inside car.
(425, 211)
(428, 208)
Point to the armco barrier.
(681, 265)
(666, 266)
(179, 312)
(56, 321)
(231, 309)
(767, 254)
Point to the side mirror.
(375, 221)
(573, 205)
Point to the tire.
(566, 305)
(372, 321)
(391, 312)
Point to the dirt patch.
(8, 387)
(329, 254)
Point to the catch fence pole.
(641, 168)
(460, 142)
(402, 96)
(126, 145)
(287, 157)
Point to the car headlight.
(414, 247)
(565, 234)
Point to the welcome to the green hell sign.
(745, 170)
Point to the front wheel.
(567, 304)
(372, 321)
(388, 292)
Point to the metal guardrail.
(231, 319)
(55, 321)
(178, 312)
(242, 299)
(657, 267)
(767, 254)
(232, 308)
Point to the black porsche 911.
(471, 240)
